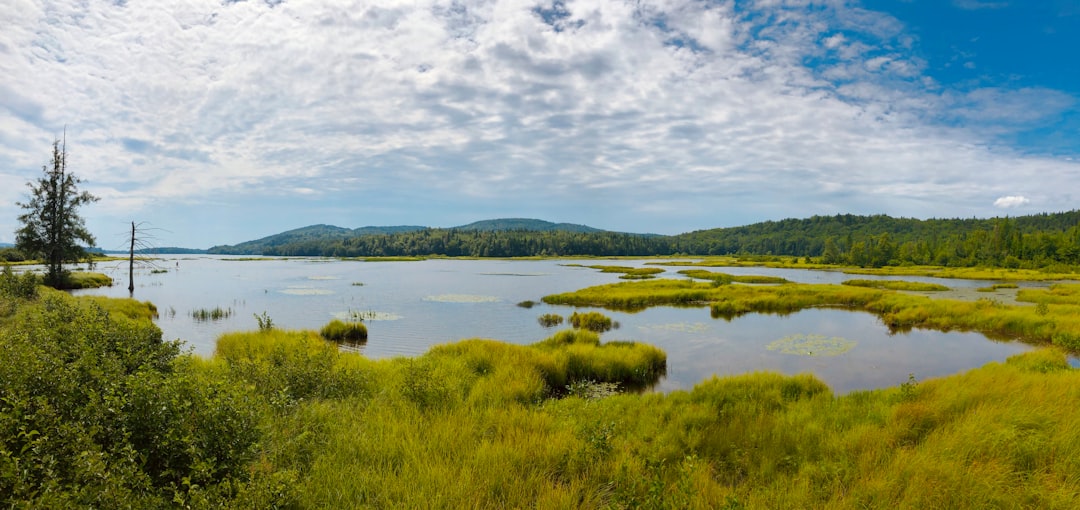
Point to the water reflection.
(410, 306)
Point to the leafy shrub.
(23, 286)
(97, 411)
(340, 331)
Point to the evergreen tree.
(51, 226)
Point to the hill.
(329, 233)
(303, 235)
(524, 225)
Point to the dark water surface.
(410, 306)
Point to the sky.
(215, 122)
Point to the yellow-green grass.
(485, 424)
(724, 278)
(592, 321)
(88, 280)
(627, 272)
(341, 331)
(1059, 324)
(897, 285)
(472, 424)
(966, 273)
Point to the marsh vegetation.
(275, 417)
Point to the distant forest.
(870, 241)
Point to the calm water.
(410, 306)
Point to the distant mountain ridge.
(324, 232)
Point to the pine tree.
(52, 227)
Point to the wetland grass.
(210, 314)
(341, 331)
(550, 320)
(1058, 322)
(897, 285)
(627, 272)
(724, 278)
(486, 424)
(483, 424)
(592, 321)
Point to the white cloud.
(440, 103)
(1011, 201)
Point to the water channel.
(410, 306)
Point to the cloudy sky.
(223, 121)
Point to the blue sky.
(218, 122)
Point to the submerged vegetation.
(211, 314)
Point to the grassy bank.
(1058, 321)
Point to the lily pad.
(812, 345)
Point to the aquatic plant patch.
(462, 298)
(677, 327)
(812, 345)
(366, 316)
(299, 290)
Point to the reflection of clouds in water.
(367, 316)
(462, 298)
(306, 291)
(812, 345)
(323, 278)
(514, 274)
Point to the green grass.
(89, 280)
(897, 285)
(998, 286)
(627, 272)
(592, 321)
(340, 331)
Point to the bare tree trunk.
(131, 263)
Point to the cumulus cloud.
(538, 106)
(1011, 201)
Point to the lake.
(410, 306)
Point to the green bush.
(340, 331)
(97, 411)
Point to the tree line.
(878, 240)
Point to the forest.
(1036, 241)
